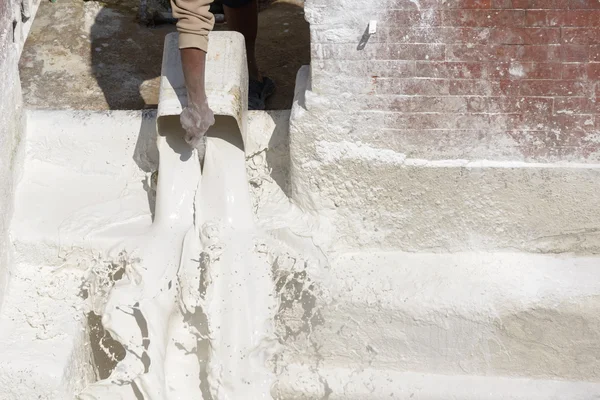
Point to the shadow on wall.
(126, 55)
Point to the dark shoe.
(216, 7)
(258, 92)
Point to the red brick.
(595, 52)
(582, 18)
(412, 87)
(560, 4)
(444, 121)
(437, 35)
(580, 35)
(458, 70)
(536, 18)
(557, 18)
(546, 18)
(574, 52)
(574, 71)
(541, 4)
(530, 121)
(506, 87)
(535, 105)
(593, 71)
(415, 121)
(571, 105)
(380, 68)
(510, 105)
(525, 70)
(425, 104)
(478, 104)
(410, 52)
(551, 88)
(399, 4)
(586, 4)
(471, 87)
(409, 104)
(500, 4)
(520, 3)
(378, 51)
(462, 35)
(483, 18)
(594, 107)
(571, 123)
(540, 53)
(469, 4)
(390, 4)
(494, 53)
(525, 35)
(544, 70)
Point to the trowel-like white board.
(228, 199)
(226, 78)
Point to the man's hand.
(197, 116)
(196, 119)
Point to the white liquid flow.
(195, 306)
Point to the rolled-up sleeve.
(195, 22)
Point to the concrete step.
(88, 173)
(492, 314)
(303, 383)
(84, 172)
(84, 175)
(44, 338)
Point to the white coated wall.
(15, 21)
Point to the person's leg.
(242, 17)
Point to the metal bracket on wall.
(15, 23)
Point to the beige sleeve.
(195, 21)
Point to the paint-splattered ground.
(96, 56)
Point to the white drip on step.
(162, 308)
(240, 301)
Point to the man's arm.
(195, 22)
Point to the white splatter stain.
(516, 69)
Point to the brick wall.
(493, 79)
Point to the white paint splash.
(516, 69)
(239, 301)
(416, 3)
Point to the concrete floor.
(96, 56)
